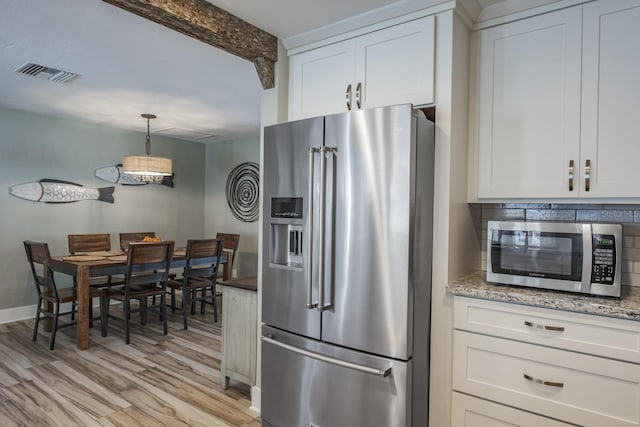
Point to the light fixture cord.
(147, 146)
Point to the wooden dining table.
(82, 270)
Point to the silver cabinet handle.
(570, 175)
(347, 97)
(543, 382)
(544, 327)
(310, 303)
(358, 95)
(361, 368)
(587, 175)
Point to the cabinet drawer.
(468, 411)
(577, 388)
(585, 333)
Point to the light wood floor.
(157, 380)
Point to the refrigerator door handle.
(342, 363)
(310, 304)
(321, 259)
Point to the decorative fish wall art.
(115, 175)
(56, 191)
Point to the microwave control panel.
(604, 255)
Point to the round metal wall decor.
(243, 191)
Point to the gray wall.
(222, 157)
(34, 146)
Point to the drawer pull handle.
(543, 382)
(545, 327)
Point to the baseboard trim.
(15, 314)
(26, 312)
(255, 399)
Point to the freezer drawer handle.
(366, 369)
(545, 327)
(543, 382)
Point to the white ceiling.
(129, 65)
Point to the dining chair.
(39, 260)
(231, 243)
(199, 274)
(126, 238)
(147, 273)
(97, 242)
(89, 243)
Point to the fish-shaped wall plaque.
(56, 191)
(117, 176)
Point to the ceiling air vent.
(48, 73)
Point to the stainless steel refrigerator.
(346, 274)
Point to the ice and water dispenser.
(286, 231)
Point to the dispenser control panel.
(286, 207)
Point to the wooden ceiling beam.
(210, 24)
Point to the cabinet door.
(319, 80)
(572, 387)
(611, 98)
(396, 65)
(467, 411)
(529, 106)
(239, 335)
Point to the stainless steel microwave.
(572, 257)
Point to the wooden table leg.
(83, 307)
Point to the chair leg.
(163, 310)
(186, 302)
(55, 326)
(173, 300)
(143, 310)
(203, 300)
(35, 327)
(214, 299)
(104, 314)
(127, 313)
(90, 312)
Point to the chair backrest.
(231, 242)
(126, 238)
(39, 260)
(89, 242)
(199, 259)
(148, 262)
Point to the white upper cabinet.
(611, 98)
(558, 110)
(529, 106)
(391, 66)
(319, 80)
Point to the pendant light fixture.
(149, 168)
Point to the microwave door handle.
(587, 258)
(309, 255)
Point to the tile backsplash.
(627, 215)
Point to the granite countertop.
(475, 285)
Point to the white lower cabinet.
(543, 362)
(468, 411)
(239, 335)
